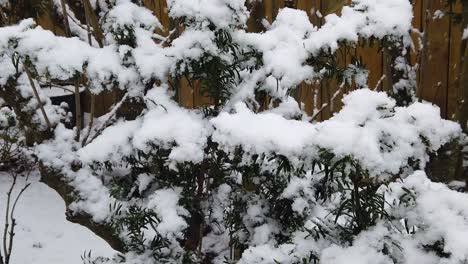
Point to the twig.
(387, 70)
(438, 85)
(13, 220)
(91, 120)
(65, 18)
(10, 215)
(56, 86)
(376, 88)
(324, 106)
(36, 94)
(166, 39)
(94, 22)
(7, 213)
(77, 110)
(5, 19)
(88, 28)
(111, 115)
(1, 257)
(423, 57)
(76, 22)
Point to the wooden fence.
(439, 79)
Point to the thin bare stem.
(65, 18)
(59, 87)
(107, 122)
(88, 27)
(8, 236)
(13, 221)
(438, 86)
(93, 21)
(4, 19)
(77, 110)
(387, 69)
(423, 52)
(376, 88)
(10, 245)
(36, 94)
(7, 214)
(91, 119)
(324, 106)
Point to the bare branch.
(36, 94)
(7, 214)
(65, 18)
(77, 110)
(91, 119)
(13, 220)
(111, 114)
(422, 60)
(93, 21)
(324, 106)
(376, 88)
(55, 180)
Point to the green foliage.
(217, 74)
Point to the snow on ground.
(43, 235)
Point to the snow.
(165, 204)
(221, 13)
(245, 143)
(111, 144)
(164, 124)
(43, 235)
(174, 125)
(365, 249)
(438, 14)
(259, 133)
(282, 46)
(437, 213)
(367, 121)
(291, 39)
(285, 46)
(442, 213)
(128, 13)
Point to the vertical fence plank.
(310, 7)
(436, 69)
(268, 10)
(453, 85)
(330, 87)
(185, 93)
(46, 21)
(417, 24)
(373, 59)
(198, 98)
(332, 6)
(164, 16)
(277, 5)
(257, 11)
(309, 93)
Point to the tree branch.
(91, 119)
(77, 109)
(36, 94)
(55, 180)
(65, 18)
(94, 22)
(423, 56)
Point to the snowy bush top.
(369, 127)
(285, 45)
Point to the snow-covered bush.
(232, 183)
